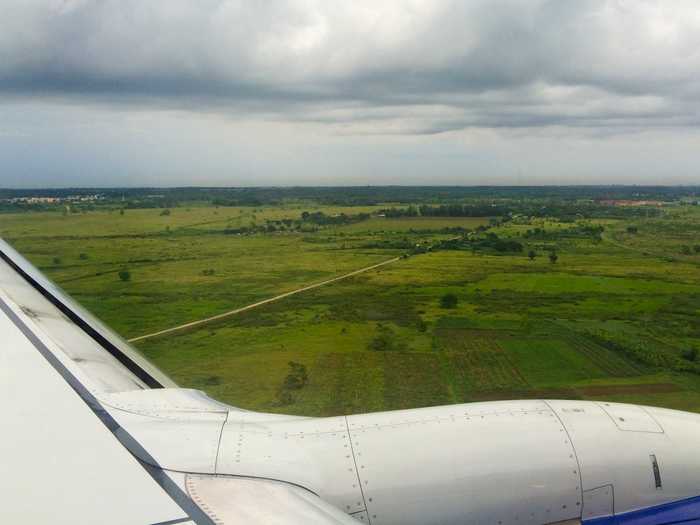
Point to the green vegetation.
(449, 300)
(296, 380)
(497, 293)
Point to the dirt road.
(259, 303)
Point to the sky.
(106, 93)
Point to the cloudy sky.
(283, 92)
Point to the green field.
(616, 317)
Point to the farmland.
(616, 314)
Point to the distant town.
(53, 199)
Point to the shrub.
(296, 379)
(691, 354)
(384, 340)
(449, 300)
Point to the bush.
(296, 380)
(691, 354)
(125, 275)
(385, 340)
(297, 377)
(449, 300)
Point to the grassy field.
(616, 317)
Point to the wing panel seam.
(573, 448)
(357, 471)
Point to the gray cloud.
(110, 92)
(401, 66)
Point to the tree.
(125, 275)
(532, 254)
(553, 257)
(449, 300)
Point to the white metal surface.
(188, 444)
(609, 455)
(179, 428)
(314, 453)
(598, 502)
(497, 463)
(59, 463)
(631, 418)
(245, 500)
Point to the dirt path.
(259, 303)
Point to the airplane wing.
(67, 386)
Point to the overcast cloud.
(235, 92)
